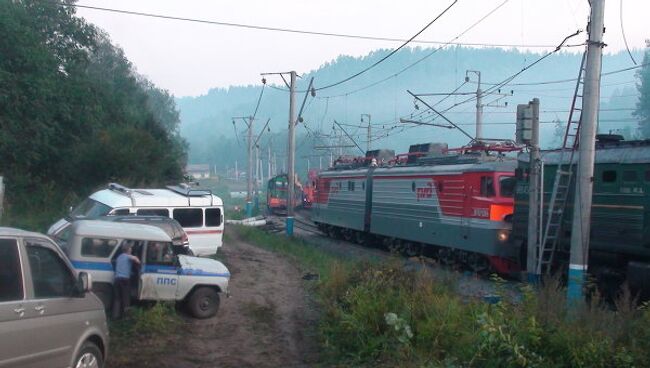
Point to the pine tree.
(642, 111)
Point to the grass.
(142, 333)
(382, 315)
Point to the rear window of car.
(153, 212)
(212, 216)
(100, 248)
(189, 217)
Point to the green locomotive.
(620, 223)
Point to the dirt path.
(267, 321)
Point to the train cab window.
(350, 186)
(507, 186)
(630, 175)
(646, 175)
(412, 186)
(487, 186)
(609, 176)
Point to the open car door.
(159, 272)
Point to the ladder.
(563, 178)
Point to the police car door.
(159, 272)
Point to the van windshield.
(90, 208)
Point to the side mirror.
(84, 283)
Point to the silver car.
(48, 317)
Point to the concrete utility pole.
(369, 131)
(479, 104)
(581, 224)
(529, 115)
(291, 154)
(249, 175)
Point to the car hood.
(57, 226)
(202, 266)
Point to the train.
(277, 191)
(457, 204)
(470, 205)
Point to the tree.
(642, 111)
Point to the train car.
(457, 206)
(276, 194)
(620, 221)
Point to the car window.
(160, 253)
(212, 216)
(153, 212)
(189, 217)
(11, 279)
(51, 278)
(101, 248)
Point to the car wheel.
(89, 357)
(203, 303)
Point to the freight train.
(456, 204)
(471, 207)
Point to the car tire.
(203, 303)
(89, 357)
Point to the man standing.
(121, 286)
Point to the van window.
(50, 276)
(101, 248)
(91, 208)
(153, 212)
(212, 217)
(121, 212)
(11, 280)
(189, 217)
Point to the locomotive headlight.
(503, 235)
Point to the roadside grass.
(382, 315)
(142, 333)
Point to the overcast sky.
(190, 58)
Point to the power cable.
(623, 33)
(390, 53)
(480, 20)
(259, 99)
(296, 31)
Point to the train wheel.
(395, 246)
(477, 262)
(361, 238)
(446, 256)
(348, 235)
(413, 249)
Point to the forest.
(75, 114)
(206, 120)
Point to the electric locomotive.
(456, 204)
(277, 192)
(620, 221)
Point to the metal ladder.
(563, 177)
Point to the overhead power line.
(623, 33)
(296, 31)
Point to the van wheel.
(203, 303)
(89, 357)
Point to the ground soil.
(268, 321)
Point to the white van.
(199, 212)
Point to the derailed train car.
(456, 206)
(620, 222)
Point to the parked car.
(198, 211)
(48, 316)
(169, 225)
(93, 246)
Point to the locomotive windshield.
(507, 186)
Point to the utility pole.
(249, 170)
(528, 133)
(581, 224)
(291, 153)
(479, 104)
(369, 131)
(236, 171)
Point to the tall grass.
(383, 315)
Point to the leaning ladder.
(563, 177)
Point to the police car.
(93, 247)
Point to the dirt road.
(267, 322)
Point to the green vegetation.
(142, 333)
(381, 315)
(75, 114)
(643, 105)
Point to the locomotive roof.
(506, 165)
(631, 152)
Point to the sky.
(190, 58)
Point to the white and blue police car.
(93, 247)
